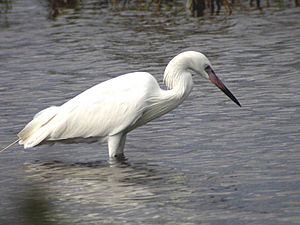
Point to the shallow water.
(207, 162)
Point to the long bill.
(216, 81)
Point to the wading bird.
(115, 107)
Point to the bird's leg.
(116, 145)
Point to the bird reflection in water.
(101, 185)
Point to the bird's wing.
(105, 109)
(108, 115)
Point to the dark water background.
(207, 162)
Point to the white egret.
(115, 107)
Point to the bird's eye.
(207, 68)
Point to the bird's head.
(199, 63)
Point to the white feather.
(115, 107)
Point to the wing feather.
(105, 109)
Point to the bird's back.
(105, 109)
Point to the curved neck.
(178, 79)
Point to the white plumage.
(115, 107)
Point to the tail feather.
(36, 138)
(8, 146)
(35, 132)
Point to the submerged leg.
(116, 145)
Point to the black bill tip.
(230, 95)
(216, 81)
